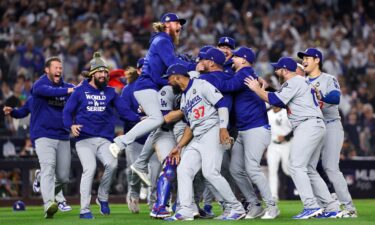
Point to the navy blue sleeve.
(49, 91)
(23, 111)
(274, 100)
(220, 104)
(166, 52)
(124, 110)
(332, 97)
(236, 83)
(69, 110)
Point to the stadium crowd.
(344, 31)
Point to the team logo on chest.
(194, 91)
(317, 84)
(95, 103)
(190, 103)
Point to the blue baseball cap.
(214, 55)
(286, 63)
(313, 52)
(176, 69)
(140, 62)
(169, 17)
(19, 206)
(245, 53)
(228, 41)
(204, 49)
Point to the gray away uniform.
(309, 130)
(204, 150)
(333, 140)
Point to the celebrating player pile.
(178, 129)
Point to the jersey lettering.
(314, 97)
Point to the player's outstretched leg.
(148, 100)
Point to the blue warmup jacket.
(47, 108)
(160, 56)
(249, 110)
(216, 78)
(129, 99)
(228, 67)
(94, 110)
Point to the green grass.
(121, 215)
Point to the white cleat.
(63, 207)
(271, 213)
(114, 149)
(254, 212)
(144, 177)
(349, 214)
(143, 193)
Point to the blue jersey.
(47, 109)
(94, 110)
(216, 78)
(228, 67)
(127, 95)
(249, 110)
(160, 56)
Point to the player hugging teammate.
(179, 144)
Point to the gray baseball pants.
(133, 150)
(203, 152)
(54, 159)
(332, 145)
(148, 100)
(247, 153)
(88, 150)
(303, 158)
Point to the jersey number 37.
(198, 112)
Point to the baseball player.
(253, 125)
(329, 98)
(159, 56)
(134, 149)
(308, 128)
(278, 150)
(208, 120)
(89, 115)
(23, 112)
(213, 61)
(52, 144)
(227, 45)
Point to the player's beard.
(176, 89)
(175, 37)
(100, 84)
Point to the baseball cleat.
(133, 204)
(271, 212)
(36, 183)
(177, 217)
(349, 214)
(332, 215)
(51, 210)
(63, 207)
(104, 207)
(206, 212)
(254, 211)
(159, 212)
(308, 213)
(114, 149)
(143, 193)
(87, 215)
(235, 216)
(142, 175)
